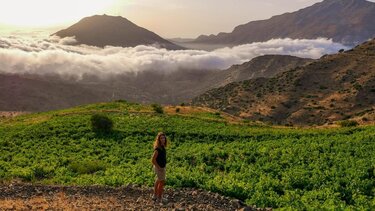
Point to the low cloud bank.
(52, 55)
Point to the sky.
(168, 18)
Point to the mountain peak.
(105, 16)
(103, 30)
(99, 20)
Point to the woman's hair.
(157, 140)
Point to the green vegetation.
(348, 123)
(300, 169)
(86, 167)
(101, 123)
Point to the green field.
(264, 166)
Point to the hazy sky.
(191, 18)
(168, 18)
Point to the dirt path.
(41, 197)
(8, 114)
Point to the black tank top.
(161, 159)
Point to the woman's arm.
(154, 156)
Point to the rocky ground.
(42, 197)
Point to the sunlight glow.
(37, 13)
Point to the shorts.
(160, 173)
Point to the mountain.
(335, 87)
(47, 92)
(266, 66)
(349, 22)
(102, 30)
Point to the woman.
(159, 160)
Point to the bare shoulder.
(156, 152)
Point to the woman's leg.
(161, 188)
(156, 188)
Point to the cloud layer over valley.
(52, 55)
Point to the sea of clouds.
(40, 55)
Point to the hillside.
(333, 88)
(102, 30)
(48, 92)
(44, 93)
(266, 66)
(264, 166)
(349, 22)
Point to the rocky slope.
(38, 197)
(263, 66)
(102, 30)
(335, 87)
(349, 22)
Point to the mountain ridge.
(334, 88)
(262, 66)
(349, 22)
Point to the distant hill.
(21, 93)
(349, 22)
(335, 87)
(102, 30)
(42, 92)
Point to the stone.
(179, 209)
(236, 203)
(192, 207)
(246, 209)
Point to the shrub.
(177, 110)
(288, 124)
(348, 123)
(101, 123)
(87, 167)
(121, 101)
(157, 108)
(41, 172)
